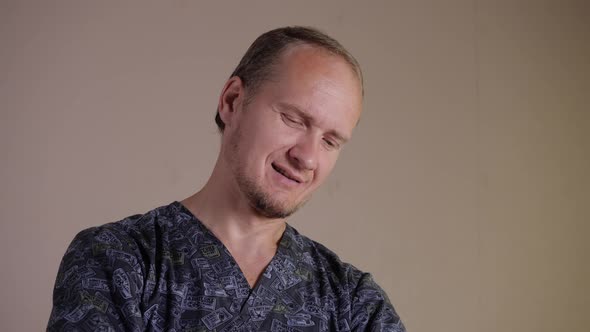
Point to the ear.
(230, 100)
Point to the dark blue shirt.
(164, 271)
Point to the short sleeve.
(98, 284)
(371, 309)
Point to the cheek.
(268, 131)
(326, 165)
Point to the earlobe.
(230, 100)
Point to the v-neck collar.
(283, 271)
(285, 248)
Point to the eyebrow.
(305, 116)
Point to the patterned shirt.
(165, 271)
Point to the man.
(225, 259)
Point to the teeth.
(285, 174)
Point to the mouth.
(286, 173)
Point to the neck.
(225, 211)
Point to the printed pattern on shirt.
(164, 271)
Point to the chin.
(266, 202)
(271, 208)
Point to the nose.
(305, 154)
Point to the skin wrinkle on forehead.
(326, 87)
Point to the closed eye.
(292, 122)
(330, 144)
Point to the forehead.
(319, 83)
(307, 58)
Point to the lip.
(287, 173)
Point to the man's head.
(283, 129)
(259, 63)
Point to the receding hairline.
(273, 70)
(258, 65)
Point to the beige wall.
(465, 190)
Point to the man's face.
(284, 143)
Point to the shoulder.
(130, 242)
(102, 273)
(324, 260)
(135, 231)
(369, 305)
